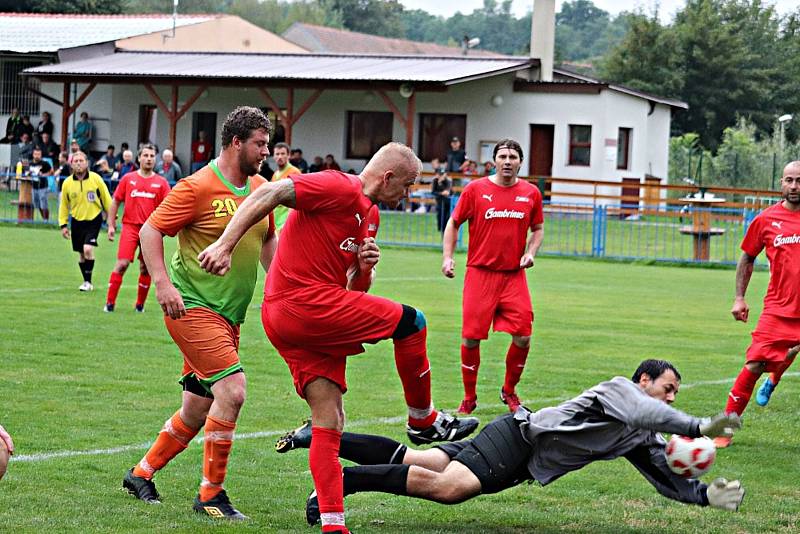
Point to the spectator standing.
(45, 126)
(330, 164)
(442, 188)
(49, 147)
(40, 169)
(83, 133)
(317, 165)
(297, 160)
(122, 148)
(455, 156)
(201, 152)
(169, 168)
(11, 126)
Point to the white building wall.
(321, 130)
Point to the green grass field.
(83, 393)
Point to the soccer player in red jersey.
(316, 309)
(203, 312)
(141, 191)
(776, 229)
(500, 210)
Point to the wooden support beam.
(272, 104)
(287, 126)
(411, 109)
(394, 109)
(67, 110)
(43, 95)
(64, 116)
(173, 118)
(306, 105)
(189, 103)
(157, 99)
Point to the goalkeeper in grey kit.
(618, 418)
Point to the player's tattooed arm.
(216, 259)
(744, 270)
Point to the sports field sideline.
(76, 380)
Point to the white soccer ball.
(690, 457)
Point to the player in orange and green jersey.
(280, 152)
(203, 312)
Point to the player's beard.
(246, 167)
(792, 198)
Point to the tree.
(185, 7)
(101, 7)
(648, 58)
(376, 17)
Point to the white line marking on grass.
(43, 456)
(32, 289)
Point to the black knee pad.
(411, 321)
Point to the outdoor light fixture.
(406, 90)
(784, 118)
(497, 101)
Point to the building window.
(623, 148)
(580, 145)
(12, 87)
(435, 132)
(367, 131)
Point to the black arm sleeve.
(651, 462)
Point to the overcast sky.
(667, 7)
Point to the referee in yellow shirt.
(85, 197)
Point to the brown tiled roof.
(332, 40)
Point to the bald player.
(316, 309)
(773, 347)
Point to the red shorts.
(495, 297)
(315, 335)
(129, 242)
(772, 338)
(209, 343)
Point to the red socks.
(515, 363)
(326, 470)
(470, 362)
(173, 439)
(411, 359)
(742, 391)
(114, 283)
(144, 287)
(216, 451)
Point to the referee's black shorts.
(85, 232)
(498, 455)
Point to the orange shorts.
(772, 339)
(495, 298)
(209, 343)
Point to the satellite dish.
(406, 90)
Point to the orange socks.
(173, 439)
(216, 450)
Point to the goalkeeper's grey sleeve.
(651, 461)
(626, 402)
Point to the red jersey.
(499, 219)
(201, 151)
(320, 239)
(778, 230)
(141, 196)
